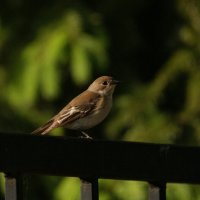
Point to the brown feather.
(85, 106)
(45, 128)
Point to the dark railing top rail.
(99, 159)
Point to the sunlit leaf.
(80, 64)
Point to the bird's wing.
(75, 112)
(79, 107)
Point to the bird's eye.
(105, 83)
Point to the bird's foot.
(85, 135)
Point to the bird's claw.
(86, 136)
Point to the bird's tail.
(47, 127)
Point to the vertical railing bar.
(10, 188)
(89, 189)
(157, 191)
(13, 187)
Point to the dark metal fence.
(90, 160)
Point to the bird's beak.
(115, 82)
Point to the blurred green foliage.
(51, 50)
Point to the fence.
(90, 160)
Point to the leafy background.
(51, 50)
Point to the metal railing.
(90, 160)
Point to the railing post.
(89, 189)
(13, 187)
(157, 191)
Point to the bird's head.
(104, 85)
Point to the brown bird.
(86, 110)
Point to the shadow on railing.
(90, 160)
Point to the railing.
(90, 160)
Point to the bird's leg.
(86, 135)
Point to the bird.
(86, 110)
